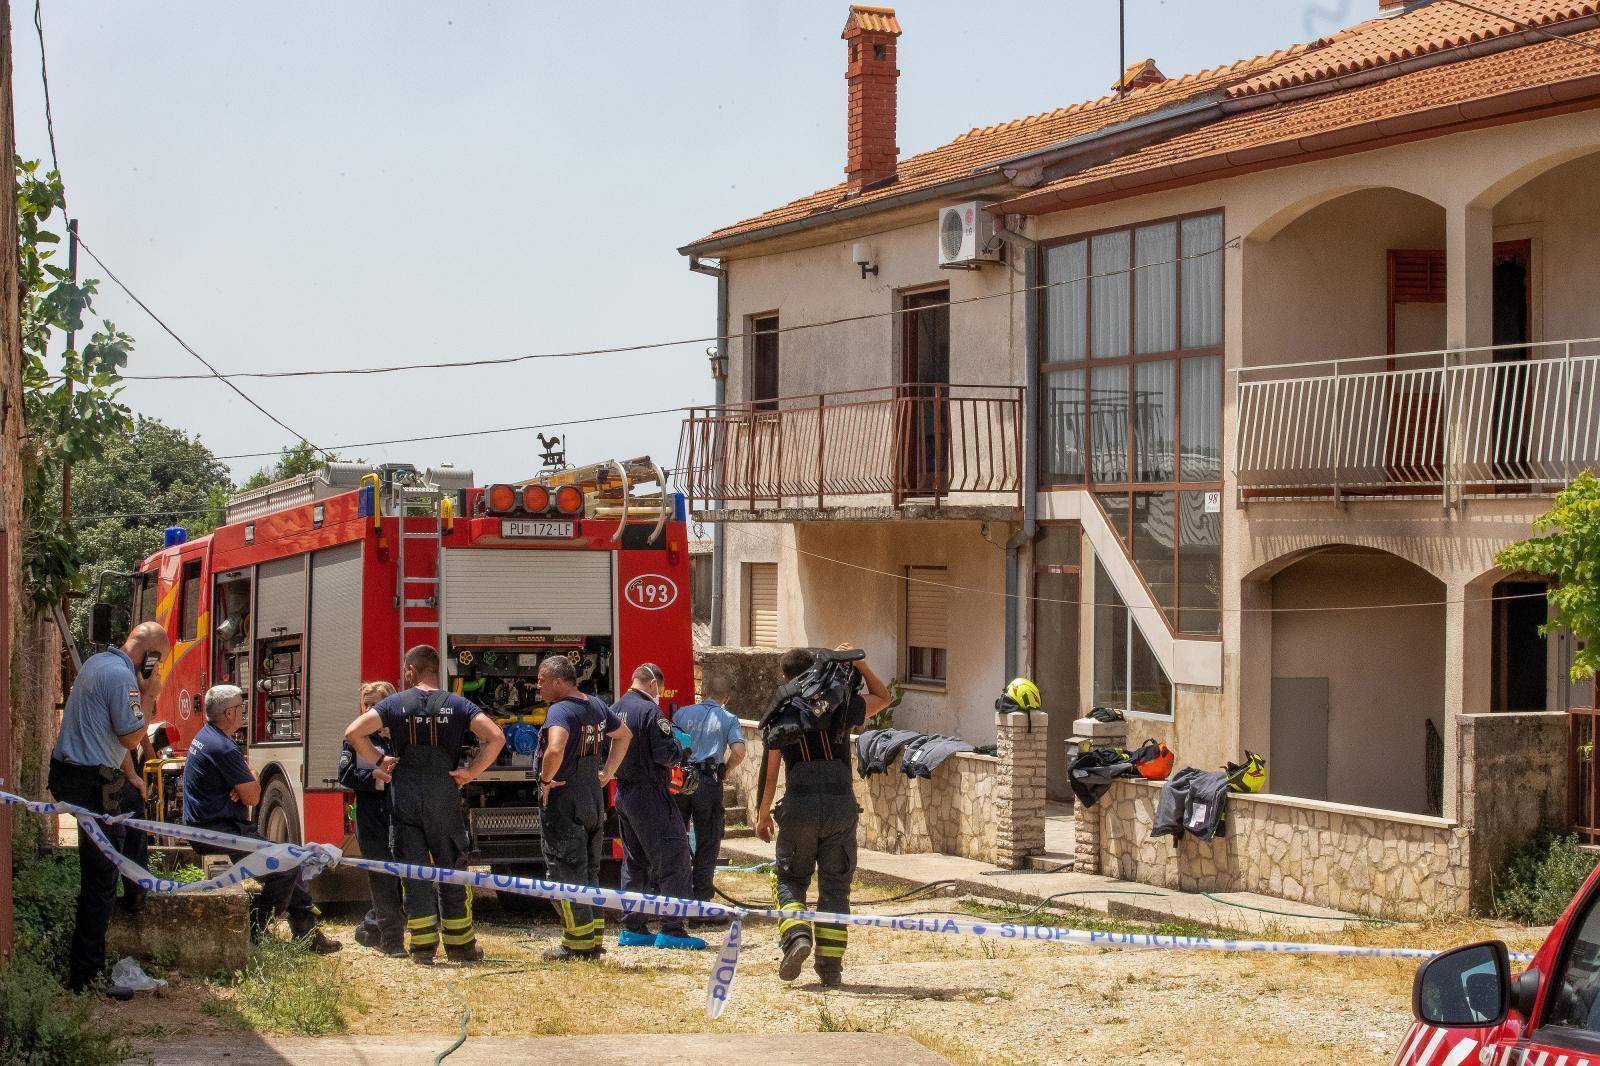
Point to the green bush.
(41, 1025)
(287, 989)
(1540, 878)
(45, 891)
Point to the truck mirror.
(1468, 987)
(100, 624)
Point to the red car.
(1470, 1009)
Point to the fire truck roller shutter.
(495, 590)
(333, 656)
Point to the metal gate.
(1583, 783)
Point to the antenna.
(1122, 47)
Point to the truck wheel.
(515, 905)
(276, 818)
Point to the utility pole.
(72, 341)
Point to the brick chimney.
(870, 34)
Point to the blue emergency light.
(680, 510)
(173, 536)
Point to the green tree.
(1570, 554)
(150, 477)
(70, 406)
(293, 461)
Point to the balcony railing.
(896, 444)
(1517, 418)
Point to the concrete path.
(692, 1049)
(1104, 894)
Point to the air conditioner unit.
(966, 236)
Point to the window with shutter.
(927, 624)
(761, 605)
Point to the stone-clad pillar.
(1088, 734)
(1020, 795)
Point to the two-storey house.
(1210, 400)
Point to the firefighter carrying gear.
(573, 816)
(427, 732)
(816, 822)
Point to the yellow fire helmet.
(1024, 693)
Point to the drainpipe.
(1030, 443)
(719, 371)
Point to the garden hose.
(1363, 918)
(915, 892)
(466, 1010)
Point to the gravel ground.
(971, 1001)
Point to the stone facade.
(1357, 858)
(1019, 806)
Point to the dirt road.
(970, 1001)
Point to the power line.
(44, 78)
(1525, 24)
(1089, 603)
(190, 349)
(654, 345)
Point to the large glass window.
(1127, 675)
(1131, 397)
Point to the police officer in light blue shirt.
(90, 766)
(716, 747)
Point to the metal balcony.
(1513, 418)
(891, 446)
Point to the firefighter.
(384, 927)
(580, 745)
(655, 843)
(428, 731)
(816, 822)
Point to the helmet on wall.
(1024, 693)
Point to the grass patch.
(42, 1025)
(1540, 878)
(185, 871)
(287, 989)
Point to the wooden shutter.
(761, 599)
(927, 607)
(1417, 277)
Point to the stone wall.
(951, 812)
(753, 673)
(1513, 782)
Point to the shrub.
(1539, 878)
(41, 1025)
(45, 892)
(288, 989)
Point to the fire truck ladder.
(421, 617)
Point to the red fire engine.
(317, 584)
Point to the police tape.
(312, 859)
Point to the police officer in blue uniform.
(816, 821)
(716, 748)
(218, 789)
(384, 927)
(428, 731)
(90, 766)
(655, 842)
(580, 745)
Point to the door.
(925, 393)
(1513, 303)
(1298, 755)
(1057, 556)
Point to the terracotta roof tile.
(1270, 132)
(872, 19)
(1418, 32)
(985, 145)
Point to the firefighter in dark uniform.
(427, 734)
(655, 842)
(384, 927)
(816, 823)
(581, 743)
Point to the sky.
(296, 184)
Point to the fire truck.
(316, 584)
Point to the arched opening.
(1357, 671)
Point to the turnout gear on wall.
(574, 814)
(1193, 802)
(427, 733)
(877, 748)
(1248, 776)
(925, 754)
(814, 701)
(1092, 772)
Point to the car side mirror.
(1467, 987)
(100, 624)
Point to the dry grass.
(970, 1001)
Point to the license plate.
(535, 530)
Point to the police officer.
(384, 927)
(655, 843)
(580, 745)
(816, 823)
(428, 730)
(716, 748)
(90, 766)
(218, 787)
